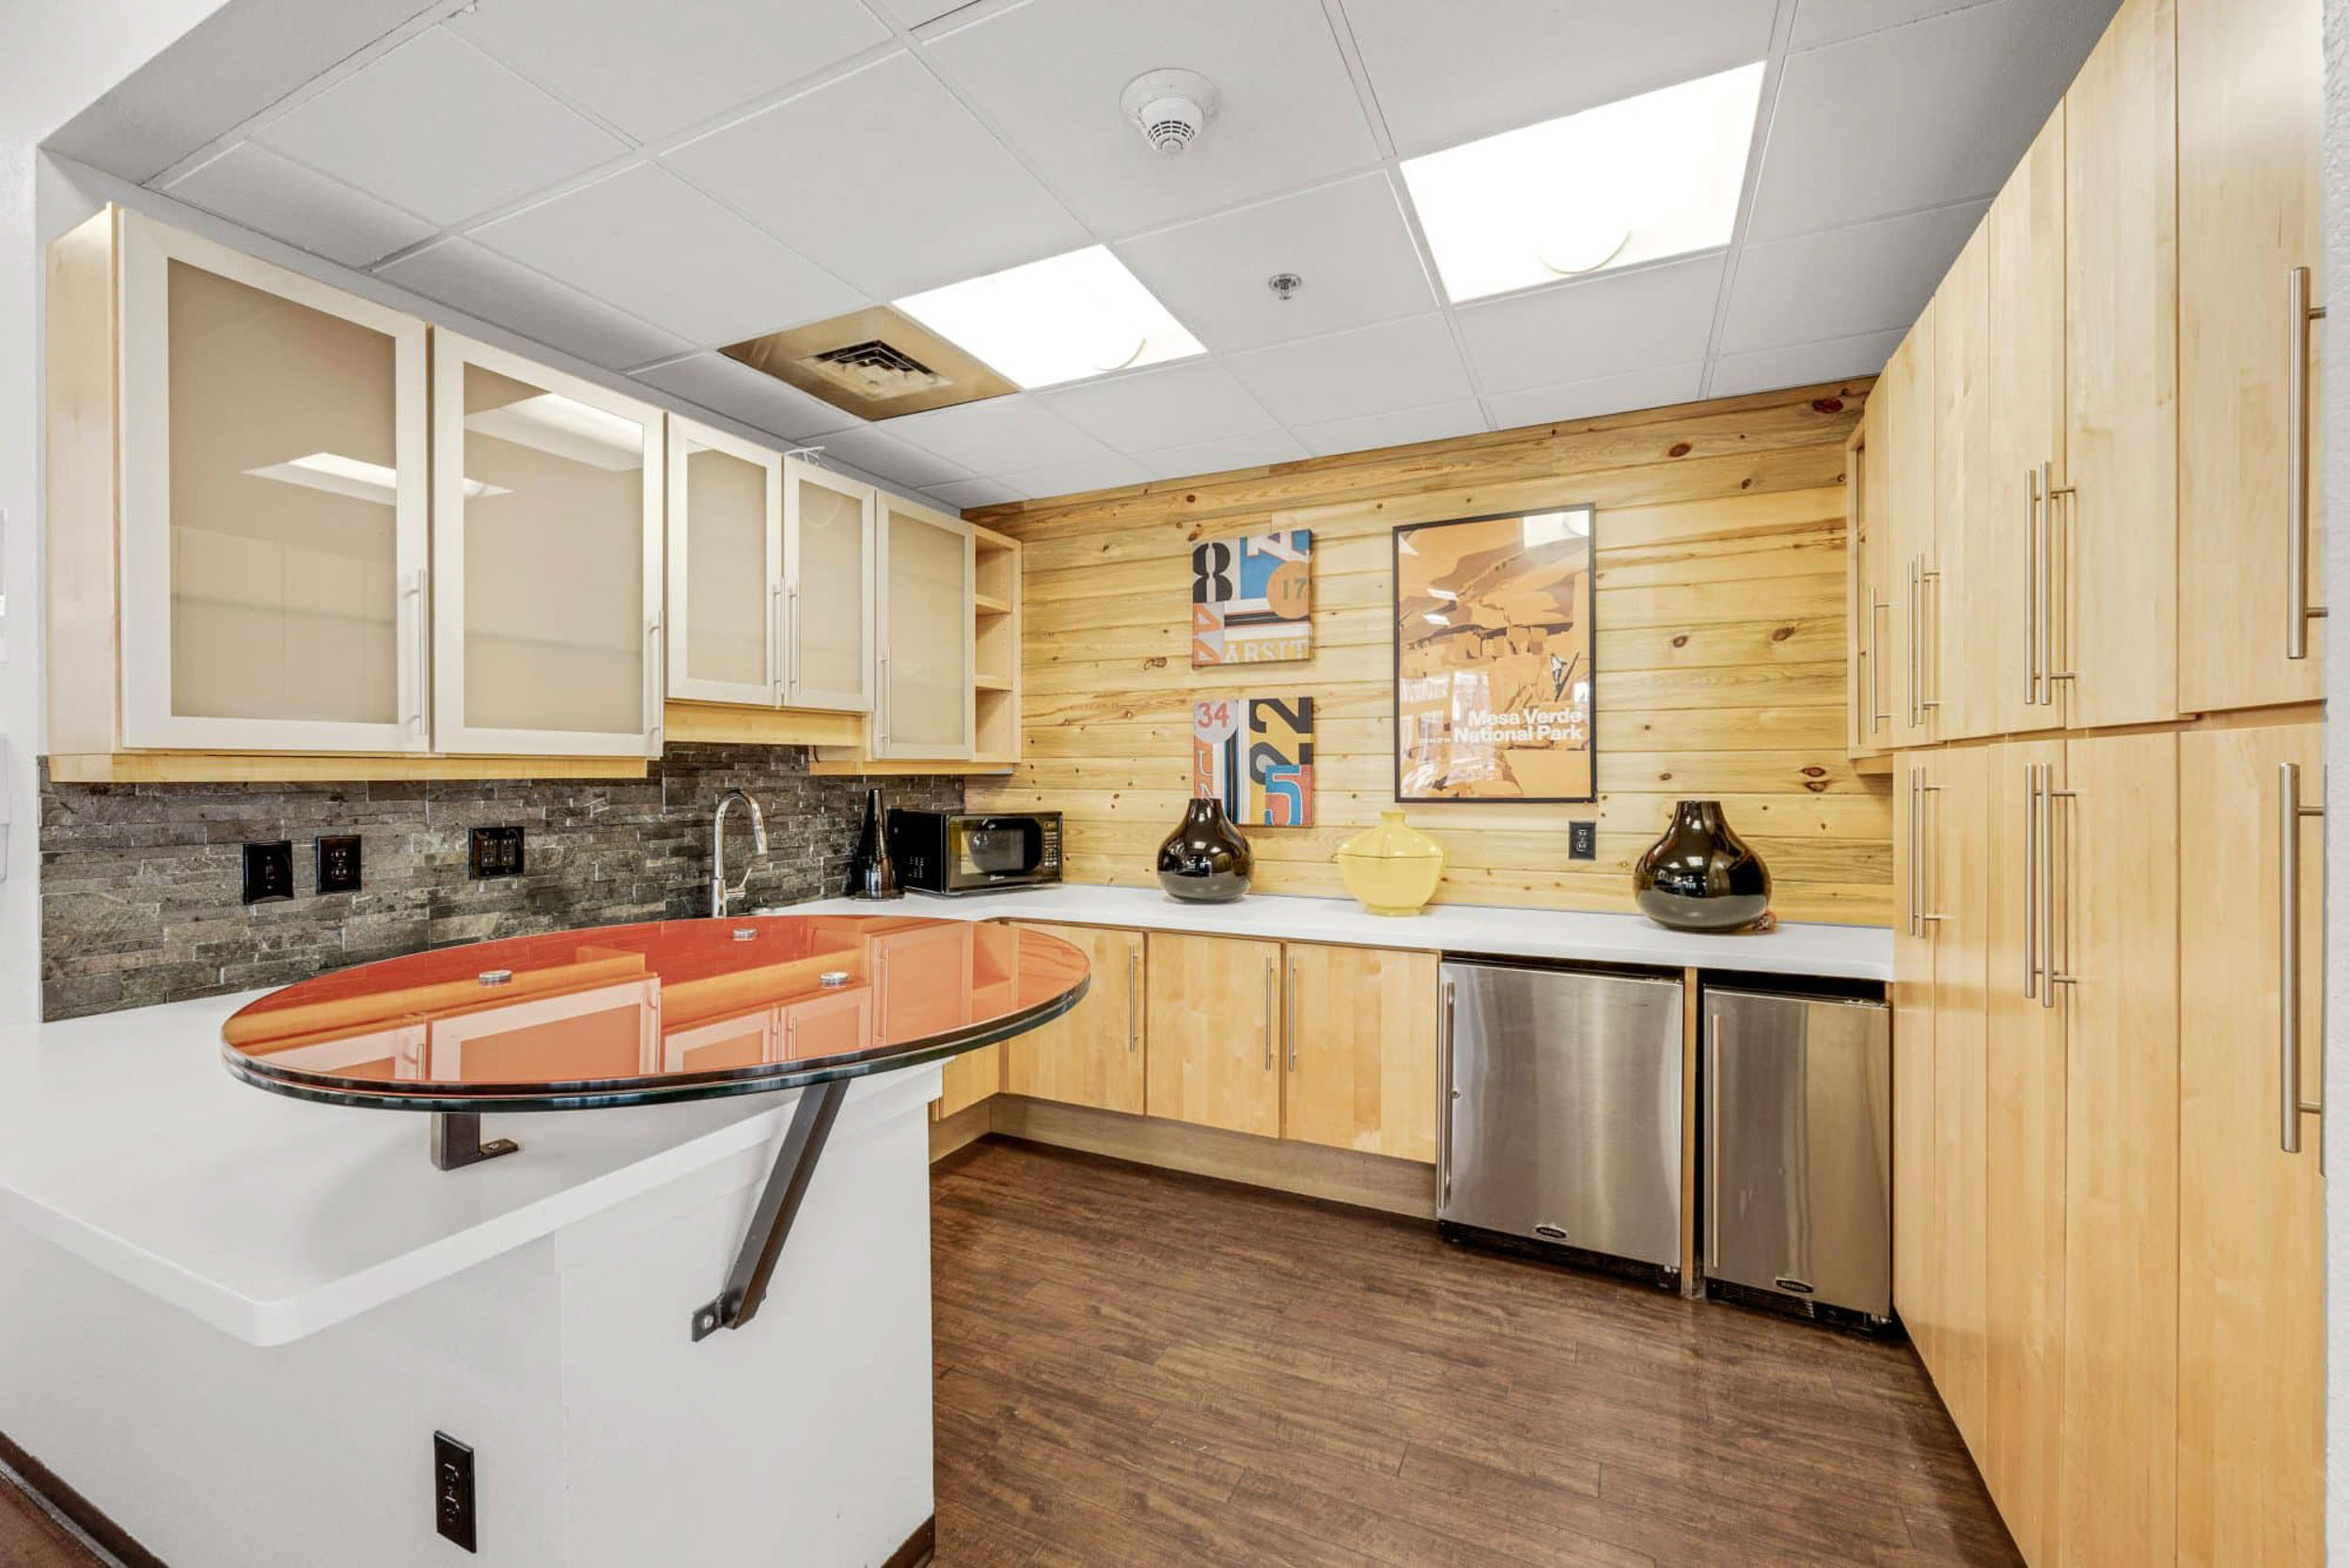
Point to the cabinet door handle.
(1269, 976)
(420, 655)
(2032, 892)
(1713, 1135)
(1446, 1095)
(2050, 976)
(1930, 651)
(2299, 612)
(1134, 997)
(1929, 863)
(2035, 519)
(1289, 1014)
(776, 680)
(1878, 713)
(2049, 490)
(1916, 564)
(657, 687)
(2291, 1106)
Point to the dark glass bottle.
(1701, 876)
(871, 873)
(1205, 861)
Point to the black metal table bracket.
(778, 1205)
(457, 1141)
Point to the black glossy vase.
(871, 873)
(1701, 876)
(1205, 861)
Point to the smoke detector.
(1170, 107)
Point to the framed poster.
(1493, 658)
(1252, 599)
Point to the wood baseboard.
(1394, 1186)
(950, 1133)
(86, 1516)
(917, 1548)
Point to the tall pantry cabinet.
(2107, 773)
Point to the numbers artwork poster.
(1270, 783)
(1493, 659)
(1252, 599)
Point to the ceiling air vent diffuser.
(875, 364)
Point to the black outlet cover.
(269, 870)
(338, 862)
(452, 1489)
(495, 852)
(1583, 841)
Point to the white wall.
(59, 55)
(2335, 439)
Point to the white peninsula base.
(234, 1323)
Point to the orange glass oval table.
(648, 1014)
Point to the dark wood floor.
(1137, 1368)
(1140, 1368)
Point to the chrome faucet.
(719, 892)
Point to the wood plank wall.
(1720, 652)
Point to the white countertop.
(124, 1141)
(1840, 952)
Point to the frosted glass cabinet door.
(725, 566)
(828, 573)
(926, 634)
(546, 560)
(273, 507)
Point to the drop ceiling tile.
(482, 283)
(1949, 105)
(1845, 281)
(913, 13)
(1804, 364)
(1398, 428)
(1049, 74)
(1451, 72)
(1105, 472)
(996, 436)
(1346, 375)
(1819, 21)
(439, 128)
(1194, 402)
(962, 494)
(957, 205)
(730, 387)
(644, 240)
(654, 69)
(1587, 399)
(1347, 241)
(260, 189)
(1214, 456)
(887, 457)
(1598, 326)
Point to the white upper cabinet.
(272, 483)
(726, 566)
(828, 573)
(546, 560)
(926, 706)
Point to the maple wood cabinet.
(1215, 1035)
(1091, 1054)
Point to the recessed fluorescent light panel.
(1629, 181)
(1063, 318)
(344, 475)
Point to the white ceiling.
(638, 184)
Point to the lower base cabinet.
(1214, 1051)
(1361, 1029)
(1092, 1054)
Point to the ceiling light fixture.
(565, 428)
(1063, 318)
(1170, 107)
(1635, 180)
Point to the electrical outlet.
(495, 852)
(452, 1490)
(1583, 841)
(269, 870)
(338, 862)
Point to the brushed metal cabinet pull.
(1930, 653)
(2049, 490)
(1879, 610)
(2035, 520)
(2032, 892)
(421, 651)
(1910, 665)
(1134, 997)
(2299, 612)
(1269, 974)
(657, 687)
(1713, 1142)
(1289, 1014)
(2051, 977)
(2290, 811)
(1929, 877)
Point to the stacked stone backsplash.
(140, 882)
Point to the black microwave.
(956, 852)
